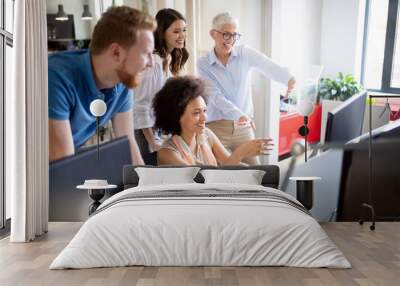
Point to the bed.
(201, 224)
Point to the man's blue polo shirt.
(72, 88)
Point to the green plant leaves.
(340, 88)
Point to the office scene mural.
(190, 83)
(104, 85)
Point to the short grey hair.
(223, 19)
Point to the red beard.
(130, 81)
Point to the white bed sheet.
(200, 231)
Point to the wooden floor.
(375, 257)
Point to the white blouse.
(151, 81)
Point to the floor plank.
(374, 255)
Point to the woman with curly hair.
(170, 56)
(180, 110)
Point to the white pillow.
(249, 177)
(163, 176)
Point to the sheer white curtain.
(26, 120)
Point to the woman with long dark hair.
(170, 56)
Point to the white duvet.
(200, 231)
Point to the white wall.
(248, 13)
(341, 38)
(310, 32)
(295, 43)
(299, 27)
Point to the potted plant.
(332, 92)
(340, 88)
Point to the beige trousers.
(233, 136)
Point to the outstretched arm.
(61, 143)
(250, 148)
(123, 126)
(217, 98)
(270, 68)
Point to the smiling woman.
(170, 56)
(180, 110)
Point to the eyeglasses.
(227, 36)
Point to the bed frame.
(271, 178)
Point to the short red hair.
(119, 25)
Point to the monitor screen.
(389, 130)
(346, 121)
(60, 30)
(354, 182)
(66, 203)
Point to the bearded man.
(121, 47)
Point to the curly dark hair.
(165, 18)
(170, 102)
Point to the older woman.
(226, 68)
(170, 56)
(180, 110)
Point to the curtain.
(26, 124)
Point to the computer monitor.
(66, 203)
(387, 131)
(346, 121)
(60, 30)
(354, 180)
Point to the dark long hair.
(165, 18)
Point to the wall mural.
(96, 71)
